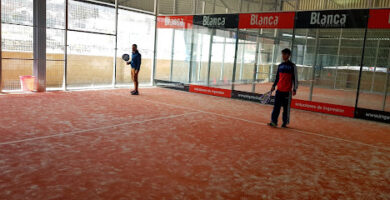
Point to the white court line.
(94, 129)
(265, 124)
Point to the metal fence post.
(116, 45)
(314, 65)
(387, 84)
(39, 43)
(235, 59)
(361, 66)
(173, 45)
(153, 74)
(210, 56)
(375, 63)
(256, 61)
(338, 59)
(65, 76)
(223, 57)
(242, 64)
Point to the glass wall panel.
(246, 60)
(200, 55)
(222, 58)
(217, 58)
(181, 55)
(91, 17)
(374, 84)
(55, 14)
(90, 63)
(55, 49)
(17, 12)
(258, 75)
(265, 62)
(91, 44)
(135, 28)
(272, 42)
(228, 61)
(303, 56)
(12, 69)
(337, 66)
(174, 45)
(54, 74)
(55, 45)
(213, 57)
(16, 41)
(164, 54)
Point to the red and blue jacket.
(286, 77)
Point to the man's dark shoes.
(273, 125)
(135, 93)
(284, 126)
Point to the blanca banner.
(211, 91)
(217, 21)
(379, 19)
(176, 22)
(332, 19)
(284, 20)
(323, 108)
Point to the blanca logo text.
(328, 20)
(213, 21)
(264, 21)
(174, 22)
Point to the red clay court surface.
(167, 144)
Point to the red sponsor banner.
(345, 111)
(379, 19)
(211, 91)
(283, 20)
(179, 22)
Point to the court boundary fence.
(332, 109)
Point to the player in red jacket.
(286, 83)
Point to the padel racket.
(126, 57)
(266, 98)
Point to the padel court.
(172, 100)
(168, 144)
